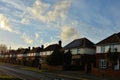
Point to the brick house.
(103, 66)
(83, 52)
(49, 50)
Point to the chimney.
(42, 46)
(32, 47)
(29, 48)
(60, 43)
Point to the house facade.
(33, 56)
(34, 53)
(83, 51)
(108, 50)
(49, 50)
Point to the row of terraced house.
(86, 55)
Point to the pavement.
(80, 75)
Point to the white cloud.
(49, 13)
(4, 23)
(69, 33)
(27, 38)
(36, 36)
(25, 21)
(15, 3)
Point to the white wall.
(89, 51)
(82, 51)
(46, 53)
(98, 48)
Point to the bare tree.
(3, 48)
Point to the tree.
(56, 58)
(68, 58)
(112, 57)
(3, 48)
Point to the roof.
(34, 50)
(12, 52)
(80, 43)
(22, 51)
(52, 47)
(115, 38)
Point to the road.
(30, 75)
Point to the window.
(112, 48)
(78, 51)
(102, 49)
(102, 63)
(116, 67)
(37, 54)
(74, 51)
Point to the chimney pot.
(60, 43)
(42, 46)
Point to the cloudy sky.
(26, 23)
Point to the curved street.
(58, 75)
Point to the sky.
(26, 23)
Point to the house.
(49, 50)
(5, 57)
(33, 53)
(9, 56)
(22, 55)
(83, 52)
(13, 56)
(108, 45)
(33, 56)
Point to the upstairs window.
(74, 51)
(78, 51)
(102, 49)
(112, 48)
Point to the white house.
(83, 51)
(113, 43)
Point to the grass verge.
(8, 78)
(26, 67)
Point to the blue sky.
(26, 23)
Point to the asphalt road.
(60, 75)
(30, 75)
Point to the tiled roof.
(52, 47)
(118, 34)
(115, 38)
(79, 43)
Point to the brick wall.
(105, 72)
